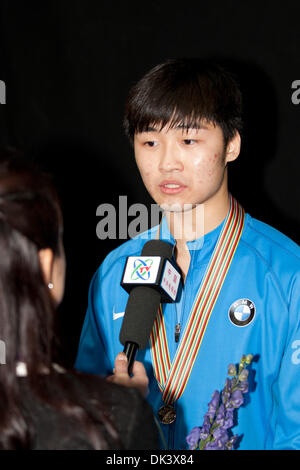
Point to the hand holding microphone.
(139, 377)
(150, 279)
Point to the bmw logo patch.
(242, 312)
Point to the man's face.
(184, 166)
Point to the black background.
(68, 66)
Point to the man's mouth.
(171, 187)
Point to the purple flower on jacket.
(218, 433)
(244, 375)
(231, 442)
(244, 386)
(237, 399)
(231, 370)
(218, 443)
(226, 391)
(213, 434)
(228, 421)
(220, 415)
(212, 406)
(193, 438)
(205, 430)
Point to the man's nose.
(170, 159)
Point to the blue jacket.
(257, 312)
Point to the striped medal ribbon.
(172, 378)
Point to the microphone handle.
(130, 349)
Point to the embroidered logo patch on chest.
(242, 312)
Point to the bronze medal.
(167, 414)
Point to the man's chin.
(177, 207)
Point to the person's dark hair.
(30, 220)
(183, 92)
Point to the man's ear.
(233, 148)
(46, 261)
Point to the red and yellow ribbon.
(172, 378)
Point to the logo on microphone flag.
(141, 269)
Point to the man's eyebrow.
(188, 127)
(180, 126)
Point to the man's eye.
(189, 141)
(150, 143)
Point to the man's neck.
(194, 224)
(199, 220)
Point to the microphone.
(150, 279)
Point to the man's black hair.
(185, 92)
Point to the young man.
(241, 280)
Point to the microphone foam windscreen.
(158, 248)
(140, 313)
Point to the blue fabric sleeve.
(287, 388)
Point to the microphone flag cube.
(156, 272)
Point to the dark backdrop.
(68, 66)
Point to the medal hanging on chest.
(172, 378)
(167, 414)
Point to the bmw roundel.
(242, 312)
